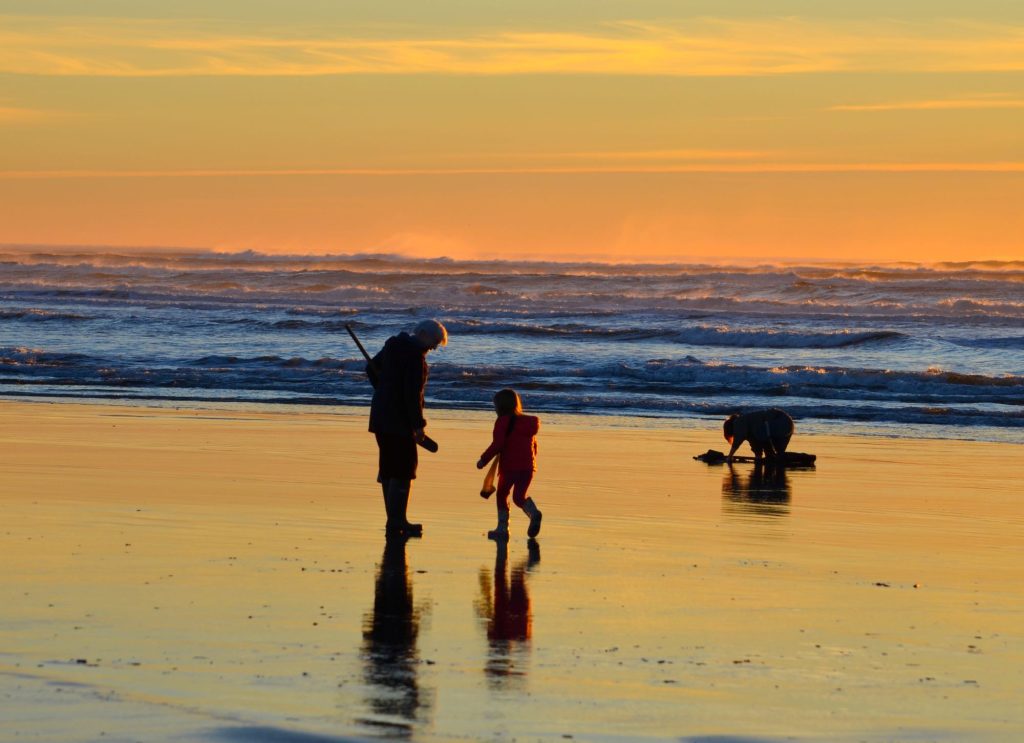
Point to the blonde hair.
(507, 402)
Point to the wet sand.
(219, 575)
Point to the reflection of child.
(506, 605)
(515, 441)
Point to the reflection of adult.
(399, 376)
(767, 431)
(390, 633)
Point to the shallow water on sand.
(230, 581)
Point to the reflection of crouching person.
(767, 431)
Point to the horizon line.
(571, 259)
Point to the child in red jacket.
(515, 441)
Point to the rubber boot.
(389, 525)
(398, 502)
(500, 532)
(535, 516)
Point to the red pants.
(517, 482)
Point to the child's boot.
(535, 516)
(500, 533)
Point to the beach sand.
(221, 575)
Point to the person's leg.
(387, 501)
(521, 485)
(781, 431)
(398, 498)
(384, 467)
(409, 463)
(398, 462)
(500, 532)
(535, 517)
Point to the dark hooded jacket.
(399, 376)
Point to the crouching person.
(766, 431)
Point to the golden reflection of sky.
(636, 130)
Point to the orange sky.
(648, 129)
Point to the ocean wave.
(703, 335)
(984, 306)
(375, 282)
(23, 356)
(1009, 343)
(558, 330)
(323, 311)
(771, 338)
(188, 258)
(39, 315)
(686, 374)
(694, 377)
(656, 387)
(846, 340)
(28, 366)
(325, 326)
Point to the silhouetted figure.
(504, 604)
(767, 431)
(399, 377)
(765, 490)
(514, 442)
(390, 655)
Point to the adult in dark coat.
(767, 431)
(399, 376)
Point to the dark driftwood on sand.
(790, 458)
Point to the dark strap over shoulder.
(508, 431)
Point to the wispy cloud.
(13, 114)
(768, 167)
(944, 104)
(656, 155)
(620, 157)
(698, 47)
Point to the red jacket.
(519, 449)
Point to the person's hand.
(418, 435)
(481, 463)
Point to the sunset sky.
(614, 129)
